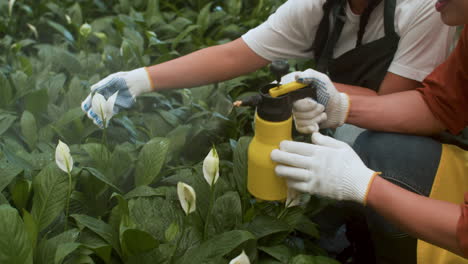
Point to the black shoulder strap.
(325, 41)
(389, 17)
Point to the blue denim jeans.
(408, 161)
(405, 160)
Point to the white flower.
(85, 30)
(67, 17)
(293, 198)
(63, 158)
(211, 167)
(187, 197)
(241, 259)
(33, 29)
(10, 6)
(102, 108)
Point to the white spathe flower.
(33, 30)
(187, 197)
(211, 167)
(102, 108)
(293, 198)
(10, 6)
(241, 259)
(63, 158)
(67, 17)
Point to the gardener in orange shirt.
(390, 164)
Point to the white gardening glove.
(329, 168)
(336, 104)
(128, 85)
(306, 120)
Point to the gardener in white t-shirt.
(366, 47)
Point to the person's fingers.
(102, 83)
(292, 173)
(299, 186)
(96, 119)
(306, 105)
(307, 129)
(86, 104)
(290, 159)
(326, 141)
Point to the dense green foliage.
(123, 205)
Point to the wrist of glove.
(125, 86)
(336, 104)
(327, 168)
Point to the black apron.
(367, 64)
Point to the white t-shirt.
(424, 39)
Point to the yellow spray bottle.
(273, 124)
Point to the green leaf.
(151, 160)
(171, 232)
(3, 200)
(7, 173)
(29, 129)
(101, 177)
(20, 193)
(135, 242)
(99, 227)
(96, 244)
(64, 250)
(62, 30)
(37, 101)
(264, 225)
(306, 226)
(145, 191)
(6, 120)
(31, 227)
(306, 259)
(279, 252)
(6, 92)
(183, 35)
(50, 193)
(15, 246)
(239, 176)
(217, 246)
(46, 249)
(227, 212)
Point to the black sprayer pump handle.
(279, 68)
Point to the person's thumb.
(326, 141)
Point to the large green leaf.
(15, 246)
(239, 176)
(99, 227)
(279, 252)
(151, 160)
(6, 121)
(217, 246)
(135, 242)
(50, 193)
(7, 173)
(306, 259)
(227, 212)
(20, 193)
(64, 250)
(37, 101)
(101, 177)
(47, 248)
(29, 129)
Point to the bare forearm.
(403, 112)
(354, 90)
(209, 65)
(427, 219)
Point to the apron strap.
(389, 17)
(322, 57)
(325, 42)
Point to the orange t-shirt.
(462, 228)
(445, 90)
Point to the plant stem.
(210, 208)
(67, 205)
